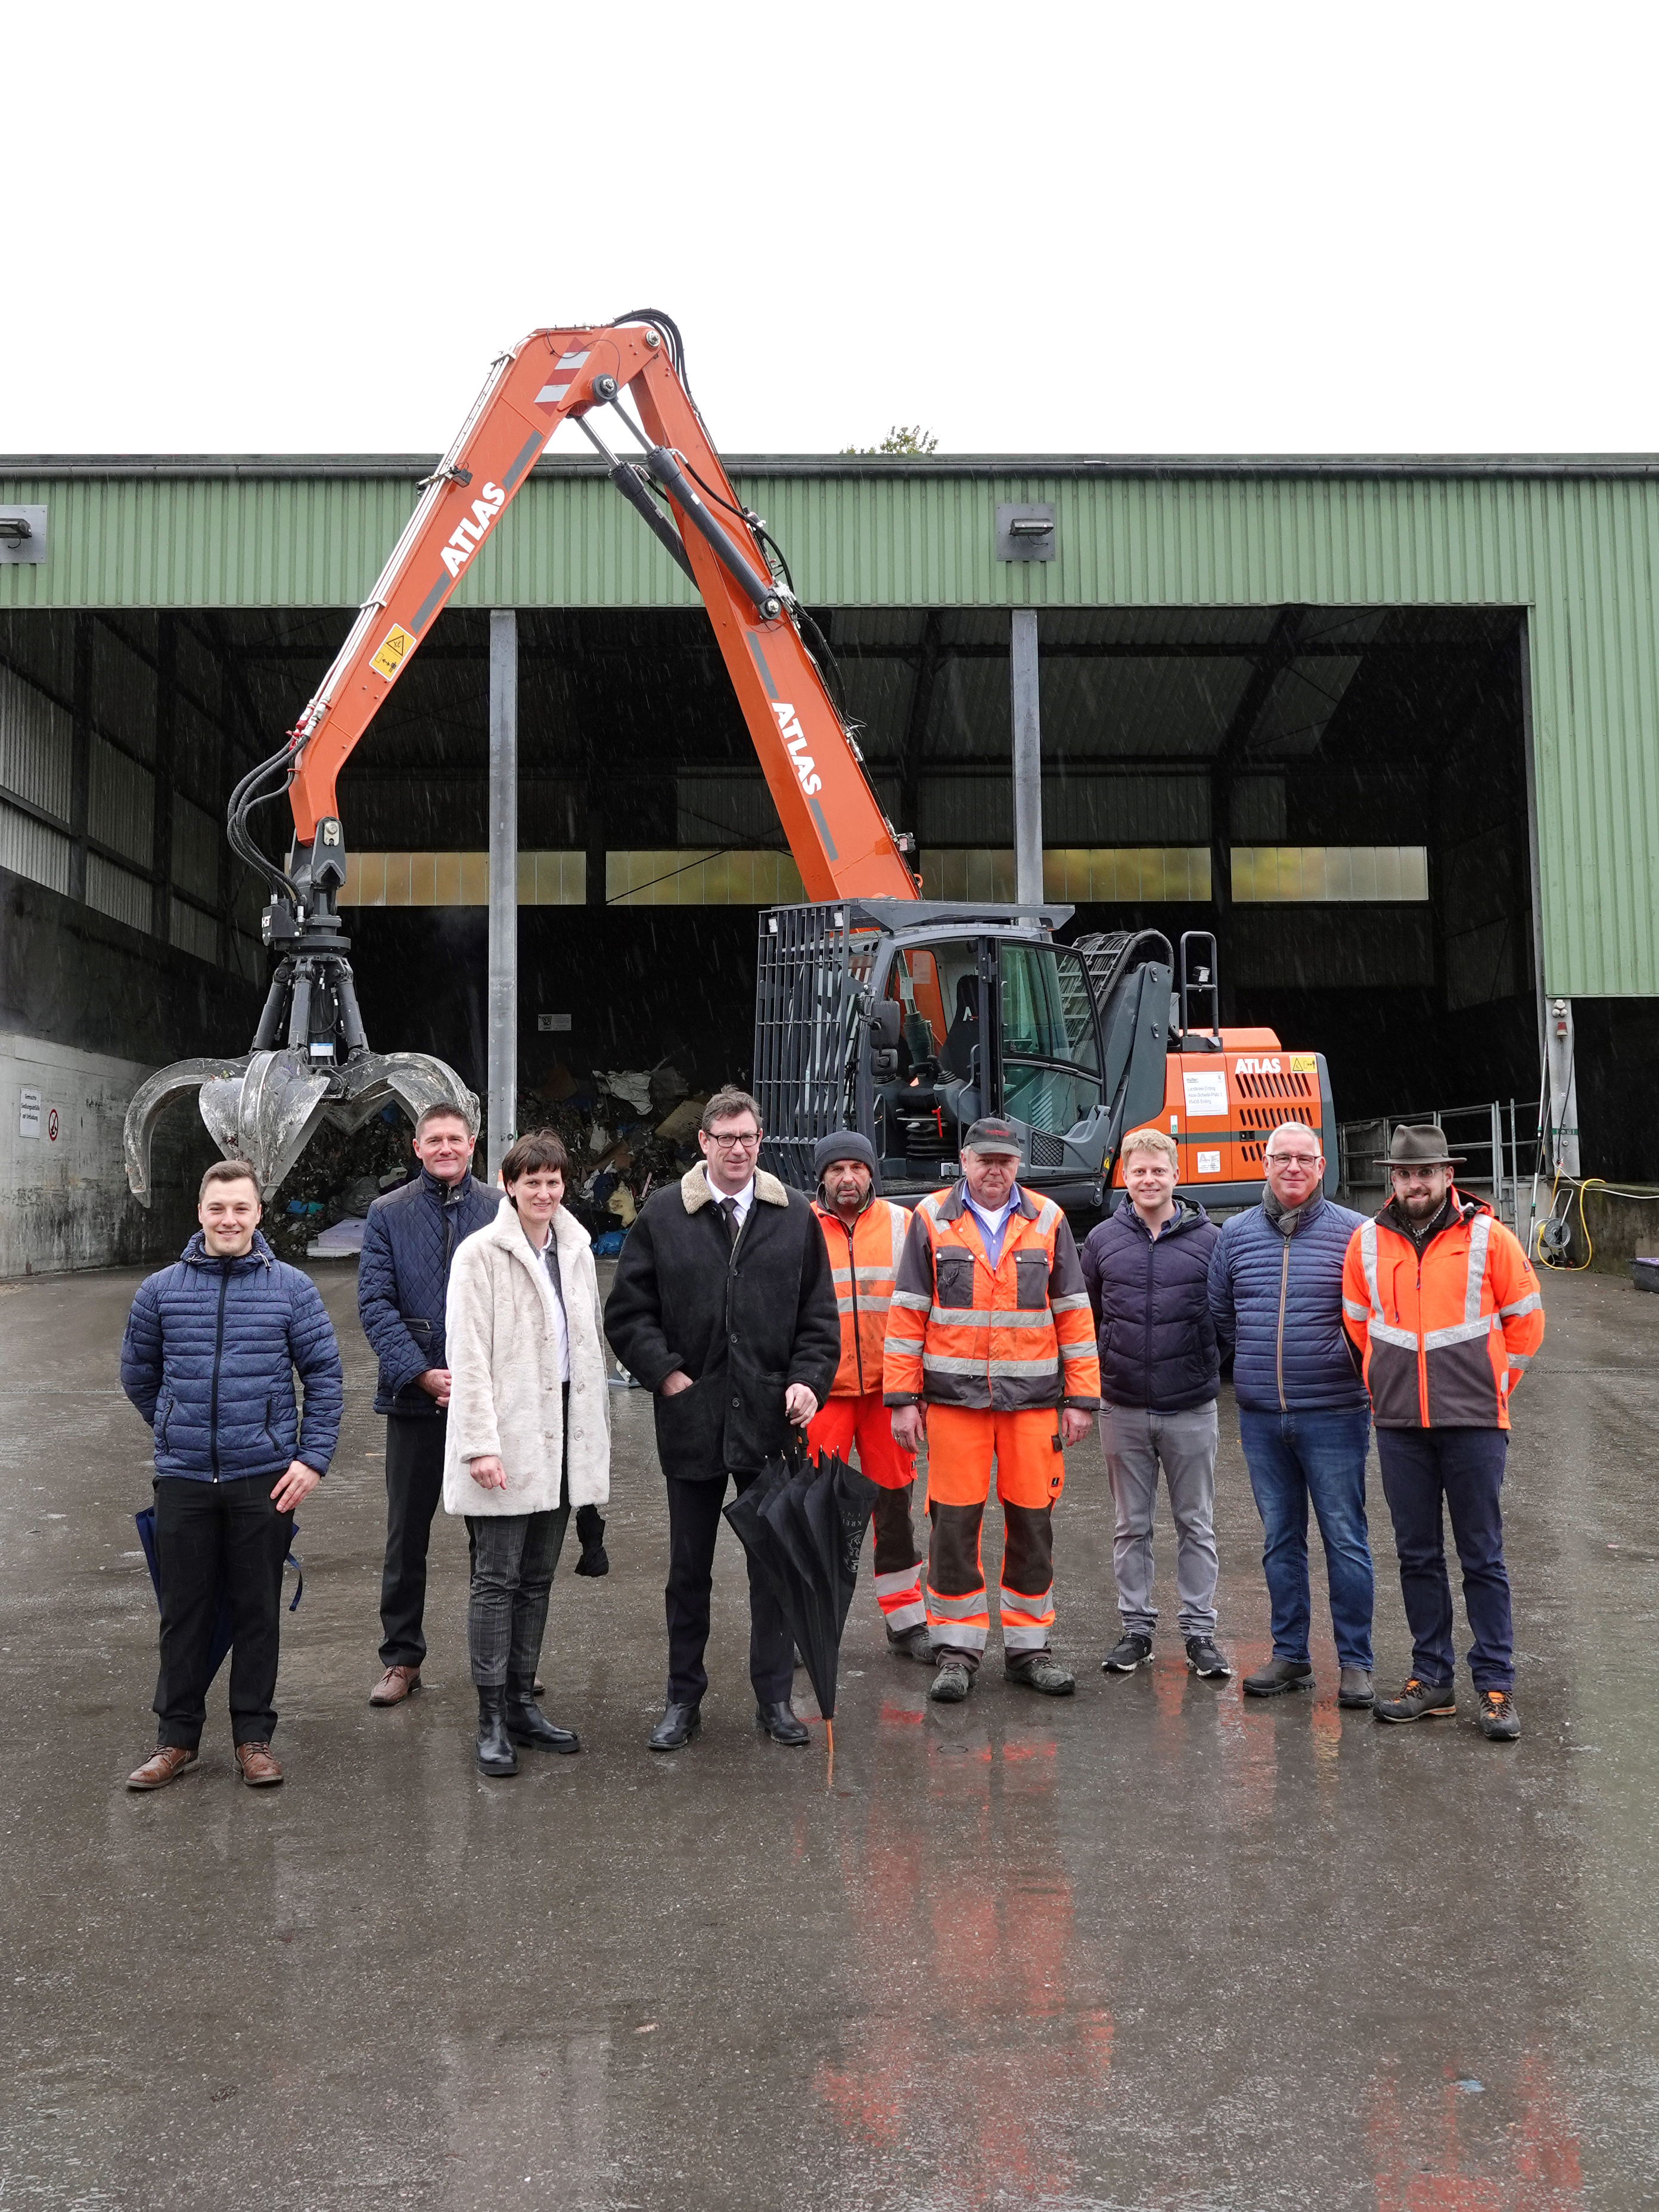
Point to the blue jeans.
(1293, 1458)
(1465, 1466)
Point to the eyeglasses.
(734, 1143)
(1308, 1160)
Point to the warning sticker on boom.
(395, 650)
(1305, 1063)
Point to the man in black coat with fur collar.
(724, 1306)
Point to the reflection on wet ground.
(1152, 1947)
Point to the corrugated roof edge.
(1081, 465)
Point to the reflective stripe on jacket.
(1011, 1338)
(1444, 1336)
(864, 1262)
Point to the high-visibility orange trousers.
(1030, 1471)
(865, 1421)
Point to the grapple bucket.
(265, 1107)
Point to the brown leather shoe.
(259, 1769)
(168, 1764)
(395, 1685)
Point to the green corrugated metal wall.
(1579, 551)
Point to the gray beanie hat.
(842, 1145)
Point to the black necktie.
(729, 1208)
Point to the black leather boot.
(525, 1722)
(495, 1751)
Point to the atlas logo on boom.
(467, 535)
(794, 737)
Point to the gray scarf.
(1287, 1220)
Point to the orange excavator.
(875, 1008)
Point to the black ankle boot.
(525, 1722)
(495, 1751)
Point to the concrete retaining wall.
(64, 1197)
(89, 1007)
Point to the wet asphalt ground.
(1152, 1947)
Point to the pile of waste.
(627, 1132)
(335, 1177)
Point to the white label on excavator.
(392, 655)
(1209, 1164)
(1205, 1089)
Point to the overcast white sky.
(1034, 227)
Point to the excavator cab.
(910, 1020)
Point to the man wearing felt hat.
(1442, 1305)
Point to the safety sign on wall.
(28, 1114)
(51, 1125)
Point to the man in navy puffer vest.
(1147, 1270)
(1304, 1418)
(410, 1242)
(208, 1358)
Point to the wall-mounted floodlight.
(22, 535)
(1024, 532)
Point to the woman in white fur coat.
(529, 1430)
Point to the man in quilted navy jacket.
(1147, 1268)
(1304, 1418)
(211, 1347)
(402, 1280)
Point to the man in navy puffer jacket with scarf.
(209, 1356)
(1147, 1272)
(1304, 1418)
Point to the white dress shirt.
(550, 1257)
(741, 1200)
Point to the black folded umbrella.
(803, 1525)
(220, 1642)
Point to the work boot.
(1278, 1676)
(1042, 1672)
(495, 1751)
(912, 1643)
(779, 1723)
(1419, 1701)
(165, 1764)
(395, 1685)
(678, 1724)
(1498, 1719)
(1130, 1651)
(526, 1723)
(952, 1684)
(1357, 1689)
(260, 1770)
(1205, 1656)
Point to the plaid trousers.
(514, 1556)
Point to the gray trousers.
(514, 1556)
(1137, 1444)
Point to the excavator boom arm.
(841, 841)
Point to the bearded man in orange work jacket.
(991, 1353)
(865, 1236)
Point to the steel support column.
(160, 835)
(1028, 757)
(502, 1108)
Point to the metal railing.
(1498, 1158)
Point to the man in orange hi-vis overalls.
(865, 1236)
(991, 1354)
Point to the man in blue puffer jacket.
(410, 1242)
(1304, 1418)
(1147, 1272)
(208, 1358)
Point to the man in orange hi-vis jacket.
(865, 1236)
(991, 1354)
(1442, 1306)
